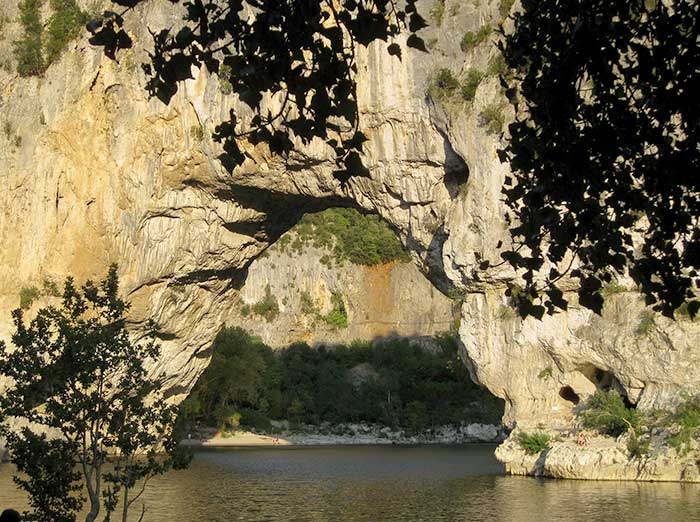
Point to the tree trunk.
(94, 508)
(125, 507)
(94, 494)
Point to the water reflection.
(390, 484)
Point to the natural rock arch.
(103, 174)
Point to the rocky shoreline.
(345, 434)
(594, 457)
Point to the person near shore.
(10, 515)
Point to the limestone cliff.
(94, 172)
(379, 301)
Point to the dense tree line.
(404, 385)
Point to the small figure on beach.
(10, 515)
(581, 440)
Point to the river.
(389, 483)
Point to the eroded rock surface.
(600, 458)
(95, 172)
(381, 301)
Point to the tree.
(605, 152)
(79, 394)
(234, 375)
(301, 53)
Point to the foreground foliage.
(403, 385)
(606, 144)
(300, 53)
(80, 392)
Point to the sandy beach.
(353, 434)
(239, 438)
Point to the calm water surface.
(406, 484)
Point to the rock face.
(95, 172)
(601, 458)
(385, 300)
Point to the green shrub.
(612, 288)
(687, 418)
(606, 412)
(245, 310)
(438, 11)
(443, 85)
(36, 49)
(307, 304)
(505, 7)
(471, 84)
(197, 132)
(64, 25)
(267, 307)
(228, 419)
(534, 443)
(255, 421)
(361, 239)
(27, 294)
(493, 118)
(506, 312)
(472, 39)
(645, 324)
(50, 288)
(683, 312)
(636, 447)
(296, 410)
(338, 316)
(416, 415)
(545, 374)
(497, 67)
(225, 79)
(28, 48)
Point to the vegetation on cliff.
(37, 48)
(607, 413)
(28, 48)
(399, 385)
(534, 443)
(361, 239)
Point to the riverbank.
(587, 456)
(345, 435)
